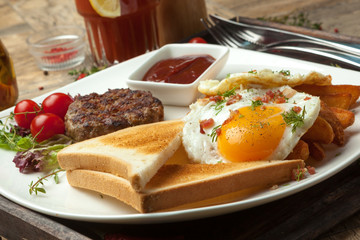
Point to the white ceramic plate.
(63, 201)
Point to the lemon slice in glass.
(106, 8)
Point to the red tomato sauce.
(183, 70)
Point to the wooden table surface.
(19, 18)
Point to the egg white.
(202, 149)
(264, 78)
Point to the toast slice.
(127, 153)
(178, 184)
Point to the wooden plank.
(21, 223)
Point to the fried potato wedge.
(323, 90)
(300, 151)
(316, 150)
(339, 100)
(346, 117)
(321, 131)
(330, 117)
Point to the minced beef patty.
(94, 115)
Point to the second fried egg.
(248, 125)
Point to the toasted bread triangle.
(135, 153)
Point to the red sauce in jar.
(183, 70)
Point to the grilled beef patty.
(94, 115)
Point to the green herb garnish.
(293, 118)
(213, 133)
(31, 155)
(229, 93)
(79, 74)
(285, 72)
(37, 186)
(219, 105)
(300, 174)
(255, 104)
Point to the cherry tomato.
(25, 111)
(197, 40)
(46, 125)
(57, 103)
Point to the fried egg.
(265, 78)
(248, 125)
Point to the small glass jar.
(8, 84)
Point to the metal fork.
(269, 37)
(232, 38)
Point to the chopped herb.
(293, 118)
(285, 72)
(229, 93)
(299, 173)
(255, 104)
(252, 71)
(213, 133)
(219, 105)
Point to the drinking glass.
(115, 39)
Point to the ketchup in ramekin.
(181, 70)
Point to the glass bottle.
(8, 85)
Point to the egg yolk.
(251, 134)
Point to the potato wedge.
(339, 100)
(316, 150)
(317, 90)
(321, 131)
(346, 117)
(300, 151)
(330, 117)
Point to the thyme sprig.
(37, 186)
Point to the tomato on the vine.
(57, 103)
(25, 111)
(46, 125)
(197, 40)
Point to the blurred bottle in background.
(8, 84)
(125, 30)
(179, 19)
